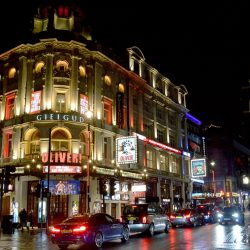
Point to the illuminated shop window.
(7, 144)
(39, 67)
(9, 109)
(35, 105)
(60, 102)
(12, 73)
(108, 111)
(60, 141)
(82, 71)
(83, 104)
(107, 80)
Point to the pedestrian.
(23, 216)
(30, 219)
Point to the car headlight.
(220, 215)
(236, 215)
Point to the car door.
(115, 229)
(100, 223)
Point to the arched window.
(60, 140)
(82, 71)
(83, 145)
(35, 143)
(12, 73)
(39, 67)
(62, 65)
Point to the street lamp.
(212, 163)
(89, 115)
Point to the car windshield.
(77, 219)
(135, 210)
(229, 209)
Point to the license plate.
(66, 231)
(179, 217)
(131, 218)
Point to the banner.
(198, 167)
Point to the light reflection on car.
(88, 229)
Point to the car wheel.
(98, 240)
(63, 246)
(125, 234)
(151, 230)
(194, 224)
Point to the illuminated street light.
(212, 163)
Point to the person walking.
(23, 216)
(30, 219)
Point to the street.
(208, 237)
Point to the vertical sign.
(35, 105)
(198, 167)
(83, 104)
(119, 109)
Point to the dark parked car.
(231, 214)
(187, 217)
(88, 229)
(208, 211)
(145, 218)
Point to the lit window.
(62, 65)
(12, 73)
(107, 80)
(108, 111)
(35, 143)
(9, 109)
(150, 158)
(39, 67)
(60, 141)
(121, 88)
(61, 102)
(7, 143)
(82, 71)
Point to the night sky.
(203, 45)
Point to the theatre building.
(74, 120)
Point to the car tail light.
(144, 219)
(121, 220)
(172, 216)
(79, 229)
(55, 229)
(209, 213)
(187, 216)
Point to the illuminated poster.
(126, 150)
(61, 187)
(35, 105)
(83, 104)
(198, 167)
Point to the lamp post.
(89, 115)
(212, 163)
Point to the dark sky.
(203, 45)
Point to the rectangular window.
(108, 111)
(150, 158)
(164, 162)
(172, 140)
(9, 109)
(7, 144)
(160, 135)
(60, 102)
(35, 105)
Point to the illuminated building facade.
(47, 87)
